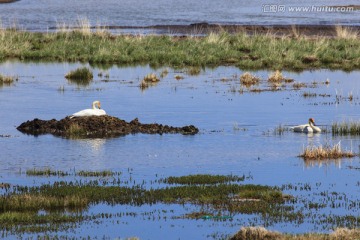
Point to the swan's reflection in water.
(93, 145)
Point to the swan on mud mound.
(307, 128)
(94, 111)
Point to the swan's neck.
(95, 105)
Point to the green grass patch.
(97, 173)
(45, 172)
(203, 179)
(82, 76)
(346, 128)
(242, 50)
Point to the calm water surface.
(236, 136)
(44, 14)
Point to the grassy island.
(247, 51)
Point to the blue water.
(236, 136)
(42, 15)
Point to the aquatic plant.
(164, 73)
(203, 179)
(280, 129)
(6, 80)
(298, 85)
(276, 77)
(325, 152)
(346, 128)
(309, 94)
(45, 172)
(149, 80)
(248, 79)
(81, 75)
(97, 173)
(179, 77)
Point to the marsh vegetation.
(82, 76)
(240, 49)
(346, 128)
(325, 152)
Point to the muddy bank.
(98, 127)
(8, 1)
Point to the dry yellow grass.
(325, 152)
(6, 79)
(260, 233)
(276, 76)
(151, 77)
(248, 79)
(345, 33)
(149, 80)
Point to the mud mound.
(98, 127)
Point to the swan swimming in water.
(307, 128)
(95, 111)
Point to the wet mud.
(98, 127)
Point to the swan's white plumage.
(94, 111)
(307, 128)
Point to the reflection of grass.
(279, 130)
(346, 128)
(193, 71)
(75, 130)
(325, 152)
(246, 51)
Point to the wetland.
(242, 169)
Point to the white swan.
(307, 128)
(95, 111)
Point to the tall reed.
(346, 128)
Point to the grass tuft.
(203, 179)
(346, 128)
(44, 172)
(325, 152)
(80, 75)
(255, 233)
(150, 79)
(247, 79)
(346, 33)
(7, 80)
(276, 77)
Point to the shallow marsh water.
(236, 137)
(43, 15)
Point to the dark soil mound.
(98, 127)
